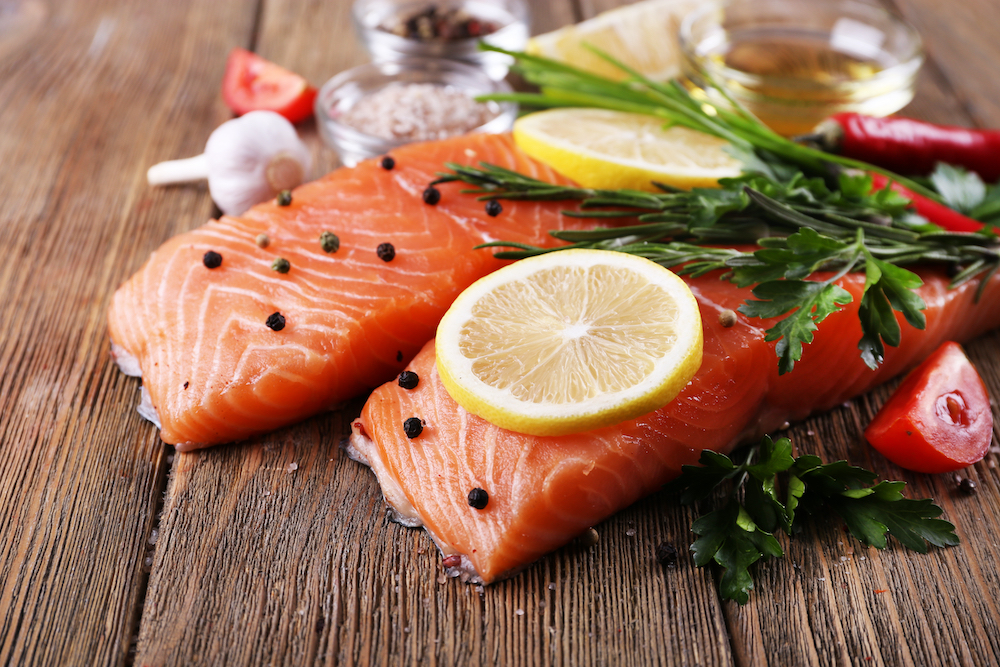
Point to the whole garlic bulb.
(247, 160)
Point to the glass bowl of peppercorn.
(452, 29)
(367, 111)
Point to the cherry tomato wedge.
(254, 84)
(939, 418)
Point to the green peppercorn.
(281, 265)
(285, 198)
(329, 242)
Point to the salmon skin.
(214, 371)
(544, 491)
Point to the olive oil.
(792, 80)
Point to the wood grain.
(963, 49)
(322, 576)
(80, 475)
(279, 550)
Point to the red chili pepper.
(939, 214)
(908, 146)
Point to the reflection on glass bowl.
(792, 64)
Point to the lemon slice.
(642, 35)
(600, 148)
(570, 341)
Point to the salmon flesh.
(544, 491)
(214, 370)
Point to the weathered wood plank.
(961, 39)
(320, 574)
(88, 91)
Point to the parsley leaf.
(888, 288)
(731, 538)
(740, 534)
(961, 189)
(809, 302)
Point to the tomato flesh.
(254, 84)
(939, 418)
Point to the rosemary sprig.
(802, 227)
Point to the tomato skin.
(939, 418)
(254, 84)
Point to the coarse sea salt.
(417, 112)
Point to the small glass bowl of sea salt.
(367, 111)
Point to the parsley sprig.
(803, 227)
(772, 491)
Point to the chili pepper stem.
(179, 171)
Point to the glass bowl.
(793, 63)
(511, 17)
(343, 91)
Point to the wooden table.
(116, 550)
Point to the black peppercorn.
(212, 260)
(329, 242)
(413, 427)
(432, 195)
(967, 486)
(385, 252)
(285, 198)
(399, 355)
(275, 321)
(666, 554)
(281, 265)
(187, 384)
(493, 208)
(388, 163)
(408, 380)
(478, 498)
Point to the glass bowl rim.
(906, 67)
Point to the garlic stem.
(179, 171)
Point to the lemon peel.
(601, 148)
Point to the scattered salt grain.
(293, 466)
(630, 532)
(153, 536)
(843, 558)
(519, 612)
(416, 112)
(552, 587)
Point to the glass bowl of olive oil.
(793, 63)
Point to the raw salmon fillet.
(214, 372)
(544, 491)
